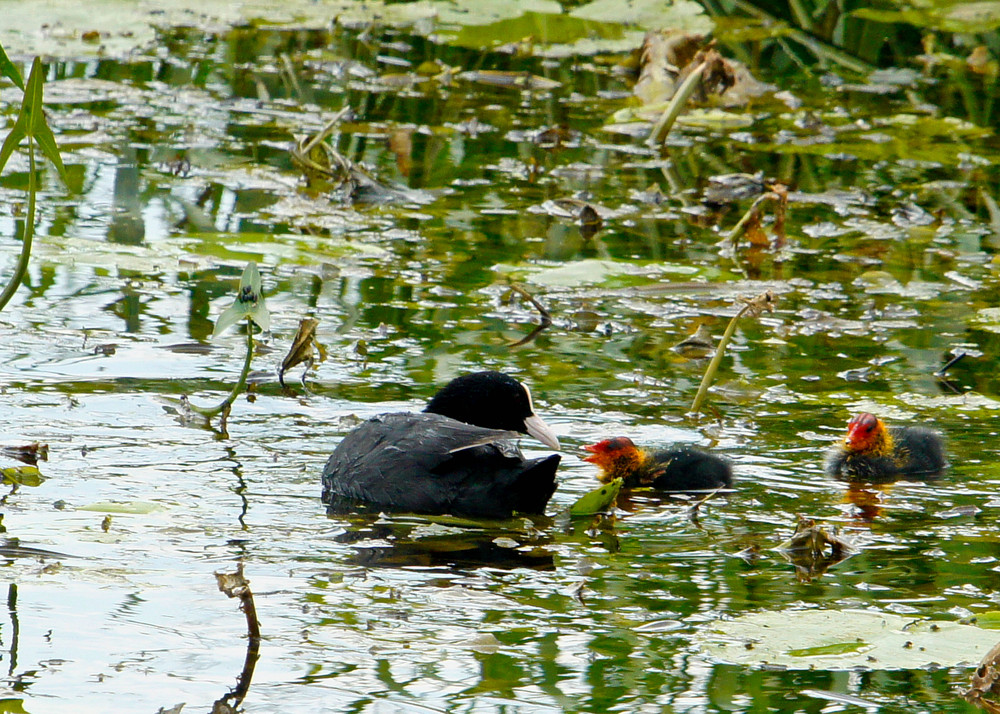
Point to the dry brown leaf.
(301, 350)
(985, 682)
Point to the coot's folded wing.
(415, 462)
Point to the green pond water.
(177, 140)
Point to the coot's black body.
(435, 463)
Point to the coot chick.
(871, 451)
(456, 457)
(678, 469)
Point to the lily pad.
(139, 508)
(593, 272)
(685, 15)
(25, 475)
(843, 639)
(987, 319)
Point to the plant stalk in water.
(30, 125)
(756, 306)
(666, 121)
(226, 405)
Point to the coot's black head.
(492, 400)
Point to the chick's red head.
(617, 458)
(608, 450)
(865, 432)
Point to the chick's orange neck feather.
(618, 460)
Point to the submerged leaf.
(123, 507)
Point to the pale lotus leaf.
(685, 15)
(843, 639)
(139, 508)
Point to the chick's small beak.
(541, 431)
(595, 457)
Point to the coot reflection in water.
(406, 541)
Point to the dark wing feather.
(427, 463)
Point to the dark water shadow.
(398, 541)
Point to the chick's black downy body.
(682, 468)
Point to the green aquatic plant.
(753, 307)
(248, 305)
(597, 501)
(31, 126)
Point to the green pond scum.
(441, 187)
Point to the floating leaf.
(598, 500)
(513, 80)
(22, 475)
(989, 620)
(987, 318)
(848, 639)
(123, 507)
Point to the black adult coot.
(457, 456)
(678, 469)
(871, 451)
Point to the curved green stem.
(227, 403)
(713, 366)
(29, 232)
(666, 121)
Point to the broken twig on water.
(235, 585)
